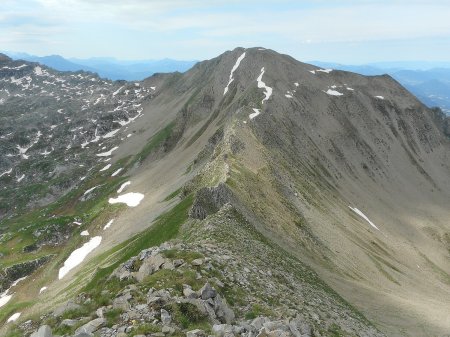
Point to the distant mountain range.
(430, 82)
(111, 68)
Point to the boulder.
(178, 262)
(197, 262)
(207, 292)
(43, 331)
(69, 306)
(149, 266)
(221, 330)
(121, 302)
(188, 292)
(166, 319)
(91, 326)
(195, 333)
(69, 322)
(168, 330)
(222, 310)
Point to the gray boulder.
(166, 319)
(91, 326)
(43, 331)
(62, 309)
(195, 333)
(207, 292)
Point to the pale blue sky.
(340, 31)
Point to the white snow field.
(131, 199)
(78, 255)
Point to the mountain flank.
(252, 195)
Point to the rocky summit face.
(253, 195)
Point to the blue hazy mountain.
(107, 67)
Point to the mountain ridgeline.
(252, 195)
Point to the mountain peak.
(4, 58)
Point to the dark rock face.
(209, 200)
(10, 274)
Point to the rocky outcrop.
(209, 200)
(10, 274)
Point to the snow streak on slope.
(261, 84)
(236, 65)
(110, 222)
(123, 186)
(362, 215)
(256, 113)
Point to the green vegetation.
(188, 316)
(335, 331)
(187, 256)
(173, 279)
(112, 316)
(144, 329)
(166, 227)
(258, 310)
(173, 194)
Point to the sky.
(351, 32)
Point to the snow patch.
(362, 215)
(111, 133)
(78, 255)
(38, 71)
(110, 222)
(236, 65)
(123, 186)
(256, 113)
(105, 168)
(84, 233)
(261, 84)
(20, 178)
(116, 172)
(131, 199)
(379, 97)
(327, 71)
(14, 317)
(90, 190)
(4, 298)
(6, 172)
(117, 91)
(107, 153)
(333, 92)
(42, 290)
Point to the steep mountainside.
(254, 186)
